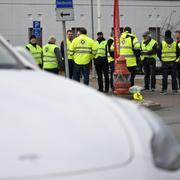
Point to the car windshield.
(8, 60)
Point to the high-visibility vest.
(168, 51)
(147, 48)
(101, 49)
(83, 49)
(68, 48)
(126, 48)
(36, 52)
(49, 56)
(110, 59)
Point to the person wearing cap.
(69, 40)
(149, 49)
(82, 50)
(35, 50)
(130, 47)
(168, 55)
(178, 56)
(101, 63)
(51, 56)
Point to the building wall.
(16, 17)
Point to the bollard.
(121, 77)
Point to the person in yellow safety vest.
(149, 49)
(83, 50)
(35, 50)
(178, 56)
(69, 40)
(168, 55)
(130, 48)
(101, 63)
(110, 57)
(51, 56)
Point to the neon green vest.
(68, 47)
(110, 59)
(126, 50)
(49, 57)
(36, 52)
(101, 49)
(168, 51)
(148, 47)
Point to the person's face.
(78, 33)
(33, 40)
(70, 35)
(177, 35)
(146, 38)
(100, 36)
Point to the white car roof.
(48, 125)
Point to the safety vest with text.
(49, 57)
(168, 51)
(36, 52)
(83, 49)
(146, 48)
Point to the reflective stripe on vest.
(147, 48)
(101, 49)
(110, 59)
(36, 52)
(168, 51)
(127, 51)
(49, 57)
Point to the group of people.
(82, 50)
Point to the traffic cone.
(121, 77)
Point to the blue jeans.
(169, 67)
(81, 69)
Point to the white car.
(56, 129)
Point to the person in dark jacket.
(168, 55)
(178, 56)
(101, 63)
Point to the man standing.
(83, 50)
(149, 50)
(35, 50)
(129, 46)
(110, 57)
(178, 56)
(51, 56)
(69, 40)
(168, 54)
(101, 62)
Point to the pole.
(98, 15)
(65, 49)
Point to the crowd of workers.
(82, 50)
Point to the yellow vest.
(126, 49)
(83, 49)
(148, 47)
(101, 49)
(49, 57)
(36, 52)
(110, 59)
(168, 51)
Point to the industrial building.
(17, 16)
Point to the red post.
(121, 73)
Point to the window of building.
(155, 32)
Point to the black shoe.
(175, 92)
(100, 90)
(106, 91)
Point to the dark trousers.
(102, 67)
(71, 65)
(54, 71)
(149, 71)
(132, 70)
(166, 68)
(178, 73)
(81, 69)
(111, 66)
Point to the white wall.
(15, 21)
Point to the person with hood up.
(168, 55)
(101, 63)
